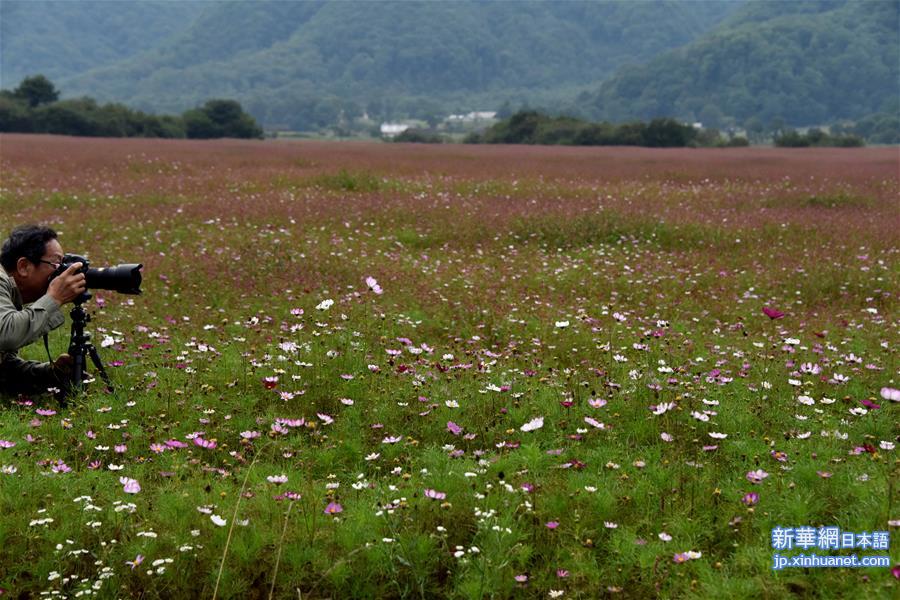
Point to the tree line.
(532, 127)
(34, 107)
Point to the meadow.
(395, 371)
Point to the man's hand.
(64, 364)
(68, 285)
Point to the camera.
(124, 278)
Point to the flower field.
(395, 371)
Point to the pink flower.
(552, 524)
(453, 428)
(434, 494)
(562, 573)
(750, 498)
(756, 476)
(6, 444)
(521, 578)
(45, 412)
(130, 486)
(372, 284)
(597, 402)
(157, 448)
(890, 394)
(333, 508)
(60, 467)
(208, 444)
(772, 313)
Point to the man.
(29, 258)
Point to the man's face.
(33, 279)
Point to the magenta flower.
(208, 444)
(750, 498)
(772, 313)
(453, 428)
(562, 573)
(552, 524)
(870, 405)
(333, 508)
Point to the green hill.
(306, 64)
(60, 39)
(800, 63)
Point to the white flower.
(562, 324)
(806, 400)
(886, 445)
(325, 304)
(217, 520)
(556, 593)
(717, 436)
(533, 424)
(665, 537)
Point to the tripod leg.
(95, 358)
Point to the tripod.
(80, 347)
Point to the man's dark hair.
(29, 241)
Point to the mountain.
(60, 39)
(312, 63)
(799, 63)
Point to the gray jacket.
(20, 326)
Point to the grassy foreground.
(360, 371)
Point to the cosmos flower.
(533, 424)
(373, 286)
(757, 476)
(333, 508)
(890, 394)
(129, 485)
(435, 495)
(772, 313)
(750, 498)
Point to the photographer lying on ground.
(29, 258)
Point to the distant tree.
(667, 133)
(220, 118)
(36, 90)
(14, 114)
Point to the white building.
(390, 130)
